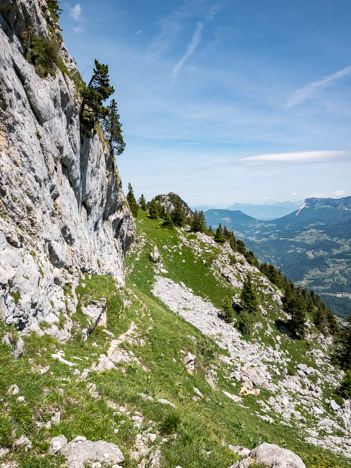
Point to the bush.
(43, 54)
(170, 423)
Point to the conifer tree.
(142, 203)
(54, 8)
(177, 215)
(248, 314)
(343, 354)
(168, 223)
(240, 246)
(219, 237)
(132, 201)
(227, 310)
(113, 128)
(97, 91)
(198, 222)
(153, 209)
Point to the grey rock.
(155, 255)
(19, 348)
(163, 401)
(239, 450)
(81, 452)
(13, 390)
(57, 443)
(333, 405)
(273, 456)
(64, 211)
(23, 442)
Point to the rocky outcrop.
(170, 201)
(62, 210)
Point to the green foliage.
(142, 203)
(6, 428)
(153, 209)
(219, 237)
(113, 128)
(170, 422)
(227, 312)
(94, 94)
(295, 306)
(342, 354)
(177, 215)
(54, 8)
(345, 387)
(168, 223)
(249, 312)
(134, 207)
(198, 222)
(16, 296)
(42, 53)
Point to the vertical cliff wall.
(62, 209)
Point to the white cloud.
(195, 41)
(338, 193)
(301, 157)
(138, 32)
(77, 30)
(302, 94)
(76, 12)
(196, 38)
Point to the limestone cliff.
(62, 209)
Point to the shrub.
(170, 423)
(43, 54)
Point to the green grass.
(197, 432)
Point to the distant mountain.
(312, 245)
(266, 212)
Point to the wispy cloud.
(196, 39)
(302, 94)
(301, 157)
(76, 12)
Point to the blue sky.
(225, 101)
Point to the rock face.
(62, 209)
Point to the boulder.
(271, 456)
(81, 452)
(155, 256)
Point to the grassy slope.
(203, 426)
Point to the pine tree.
(248, 297)
(54, 8)
(97, 91)
(295, 306)
(142, 203)
(168, 223)
(248, 314)
(232, 241)
(113, 128)
(343, 355)
(132, 201)
(240, 245)
(219, 237)
(227, 310)
(177, 215)
(198, 222)
(153, 209)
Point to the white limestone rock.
(63, 210)
(272, 456)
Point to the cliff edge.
(62, 210)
